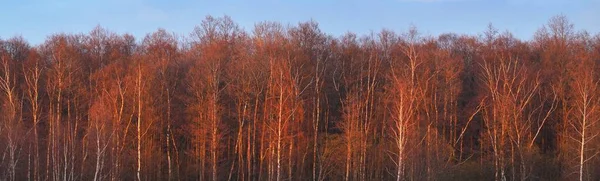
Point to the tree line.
(290, 102)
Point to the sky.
(37, 19)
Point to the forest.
(291, 102)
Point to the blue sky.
(36, 19)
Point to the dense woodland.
(290, 102)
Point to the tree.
(509, 116)
(583, 115)
(215, 46)
(12, 52)
(291, 102)
(63, 82)
(32, 75)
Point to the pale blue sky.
(36, 19)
